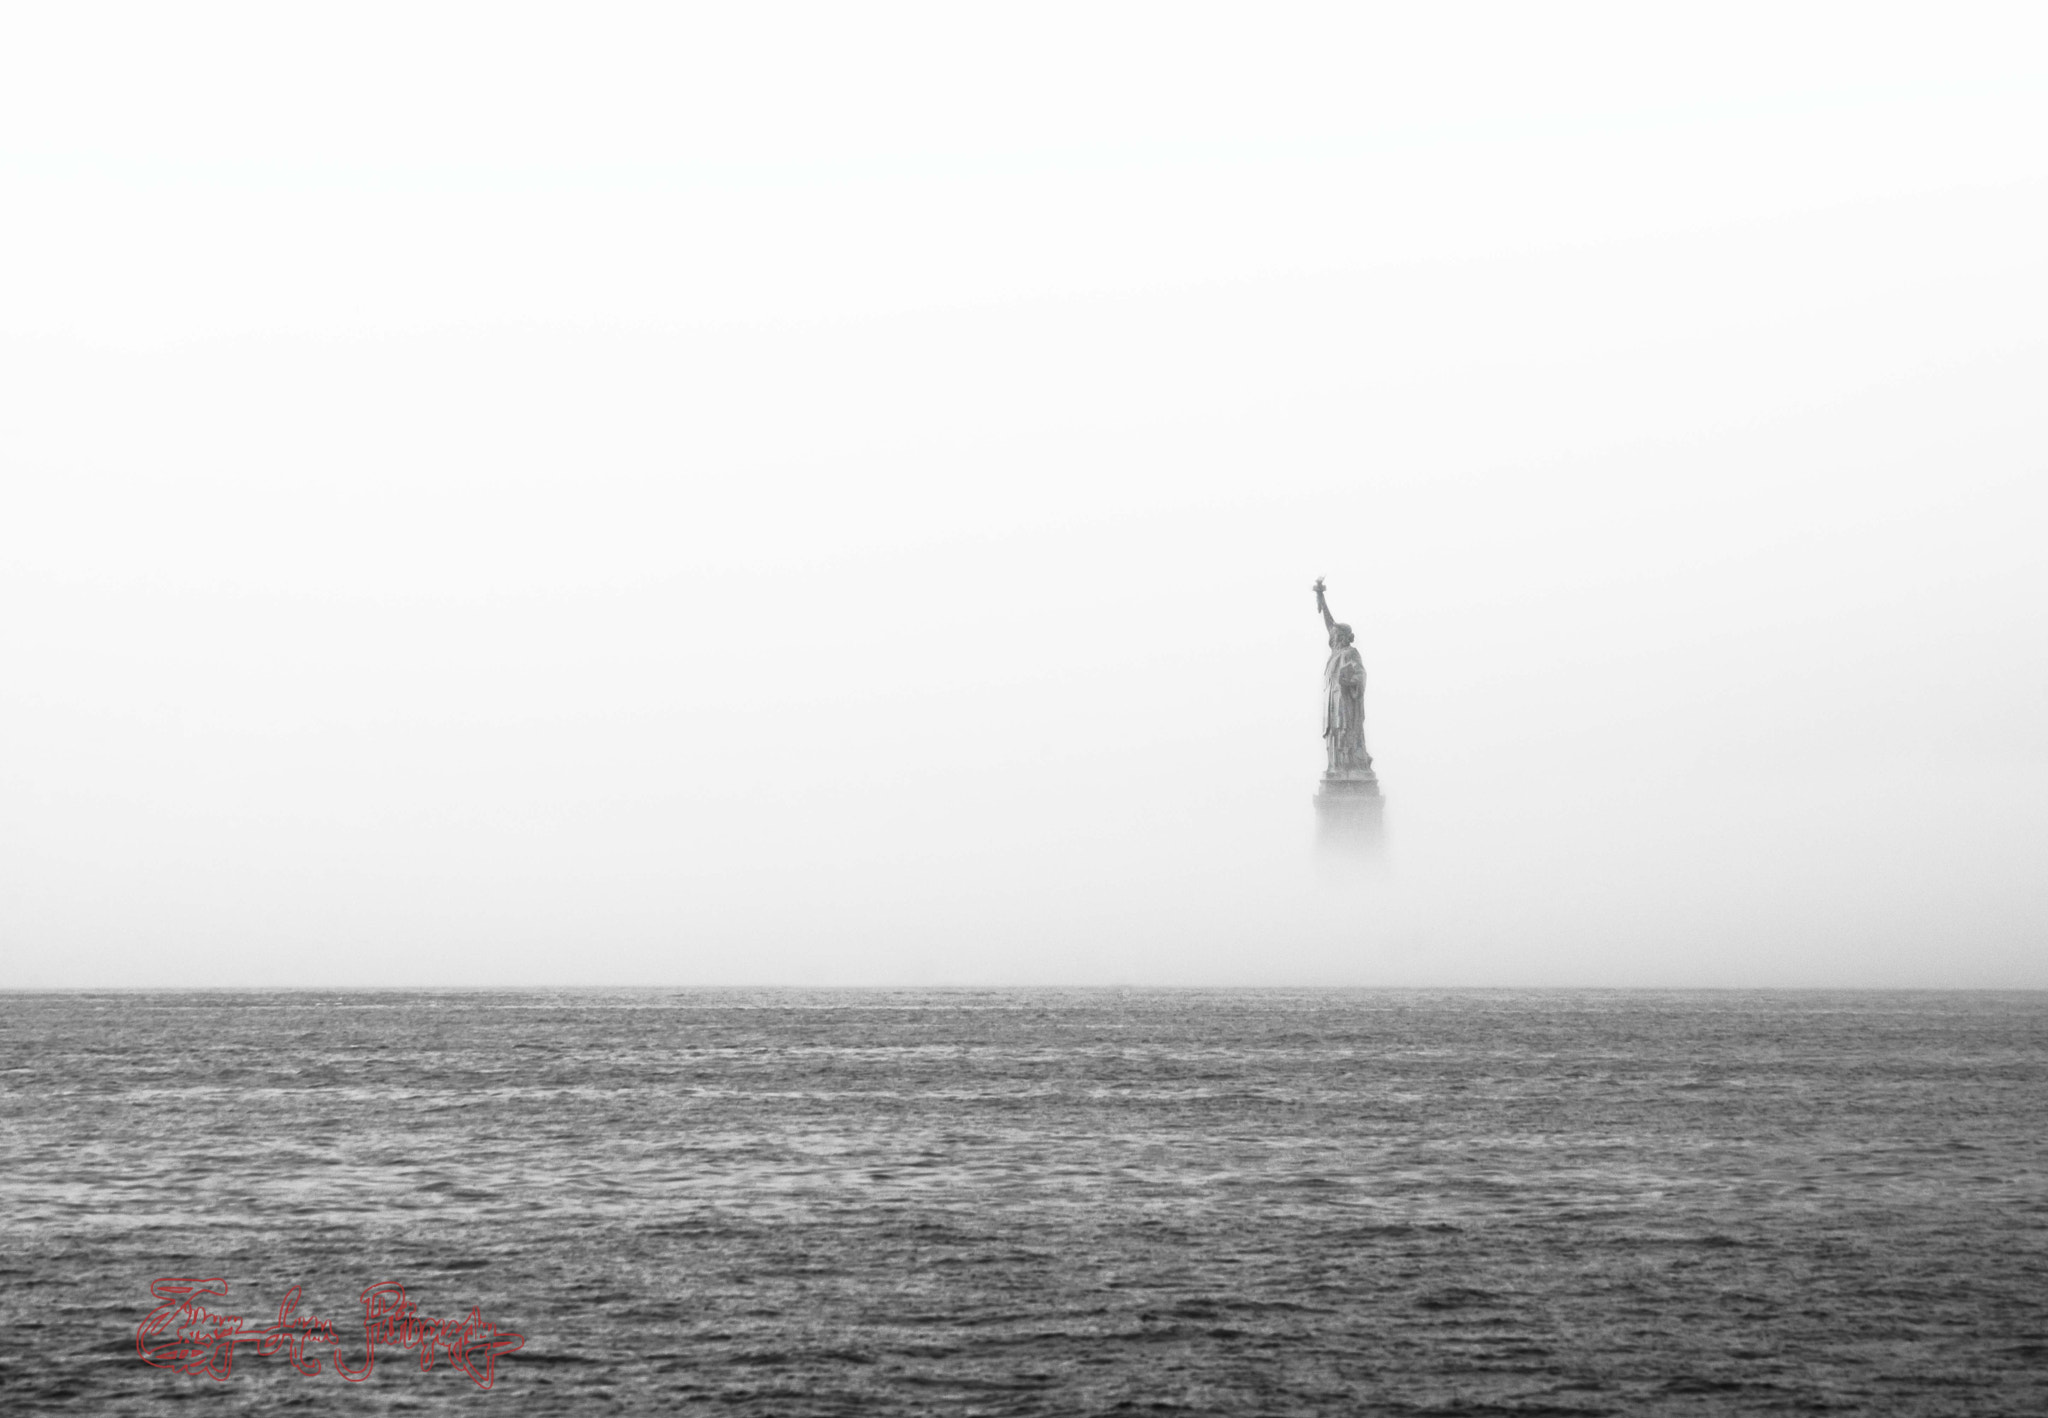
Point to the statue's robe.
(1344, 710)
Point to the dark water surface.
(1043, 1202)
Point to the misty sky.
(505, 495)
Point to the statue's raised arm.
(1329, 621)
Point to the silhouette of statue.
(1343, 699)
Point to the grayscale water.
(1041, 1202)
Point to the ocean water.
(1041, 1202)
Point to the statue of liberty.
(1343, 699)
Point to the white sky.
(507, 494)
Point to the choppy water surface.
(1046, 1202)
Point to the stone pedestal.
(1349, 809)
